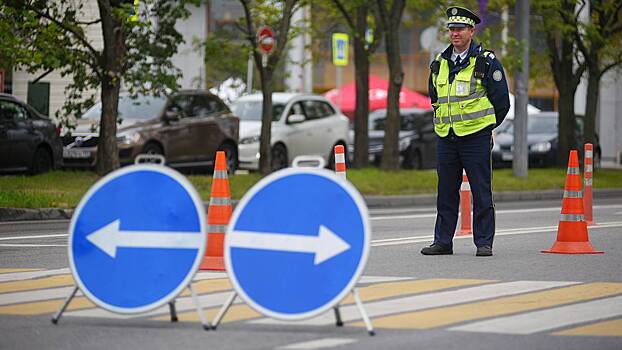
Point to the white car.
(302, 124)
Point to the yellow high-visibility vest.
(462, 105)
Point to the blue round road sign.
(137, 238)
(297, 243)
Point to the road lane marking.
(10, 245)
(492, 308)
(428, 301)
(12, 270)
(611, 328)
(545, 320)
(319, 344)
(34, 274)
(14, 238)
(45, 282)
(367, 293)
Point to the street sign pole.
(325, 254)
(142, 285)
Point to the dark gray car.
(29, 141)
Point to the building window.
(39, 97)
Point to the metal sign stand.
(302, 161)
(159, 160)
(171, 304)
(338, 322)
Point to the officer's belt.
(466, 116)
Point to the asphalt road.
(517, 299)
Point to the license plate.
(507, 156)
(76, 153)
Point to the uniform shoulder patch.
(496, 75)
(491, 56)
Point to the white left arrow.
(110, 237)
(325, 245)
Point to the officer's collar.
(474, 50)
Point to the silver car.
(302, 124)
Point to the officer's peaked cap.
(461, 17)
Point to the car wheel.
(41, 161)
(412, 160)
(152, 148)
(231, 154)
(279, 157)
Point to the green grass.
(63, 189)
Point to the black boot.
(436, 249)
(485, 250)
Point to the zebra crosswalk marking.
(45, 282)
(240, 312)
(429, 300)
(10, 270)
(491, 308)
(548, 319)
(611, 328)
(369, 293)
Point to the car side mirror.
(170, 116)
(296, 118)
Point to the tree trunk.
(591, 106)
(361, 114)
(113, 56)
(390, 153)
(265, 158)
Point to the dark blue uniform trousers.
(473, 154)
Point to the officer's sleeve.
(497, 89)
(431, 89)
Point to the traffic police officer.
(469, 94)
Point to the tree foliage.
(40, 35)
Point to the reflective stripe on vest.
(463, 104)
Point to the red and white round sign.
(266, 39)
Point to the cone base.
(572, 248)
(463, 233)
(213, 263)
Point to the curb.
(23, 214)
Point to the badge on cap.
(497, 75)
(454, 11)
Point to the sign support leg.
(359, 304)
(338, 321)
(171, 307)
(204, 322)
(62, 309)
(223, 310)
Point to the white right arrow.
(325, 245)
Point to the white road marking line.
(31, 237)
(63, 292)
(506, 232)
(10, 245)
(426, 301)
(318, 344)
(382, 279)
(14, 276)
(544, 320)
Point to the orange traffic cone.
(588, 168)
(218, 215)
(465, 207)
(572, 236)
(340, 161)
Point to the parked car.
(417, 139)
(302, 124)
(542, 141)
(29, 141)
(187, 128)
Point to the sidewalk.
(22, 214)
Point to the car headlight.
(129, 138)
(540, 147)
(249, 140)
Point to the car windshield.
(141, 107)
(535, 125)
(251, 110)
